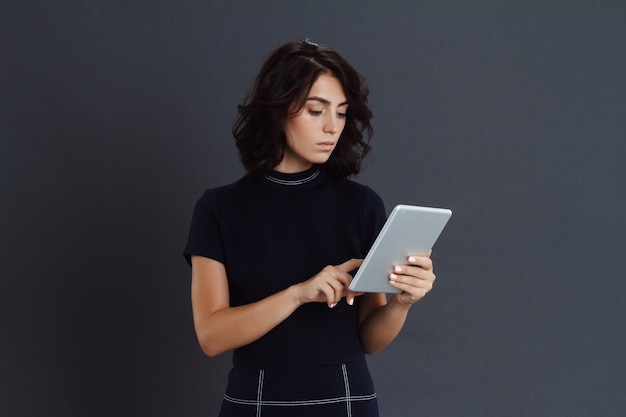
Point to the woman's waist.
(291, 359)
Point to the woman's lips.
(326, 146)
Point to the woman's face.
(313, 132)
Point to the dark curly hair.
(282, 85)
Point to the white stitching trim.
(346, 382)
(259, 393)
(293, 182)
(301, 402)
(259, 402)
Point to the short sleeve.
(205, 238)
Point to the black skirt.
(329, 391)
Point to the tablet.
(409, 230)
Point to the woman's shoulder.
(365, 191)
(226, 189)
(360, 197)
(213, 197)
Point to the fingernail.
(397, 269)
(333, 305)
(412, 259)
(350, 301)
(393, 277)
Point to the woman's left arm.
(381, 320)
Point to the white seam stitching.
(346, 382)
(259, 394)
(324, 401)
(293, 182)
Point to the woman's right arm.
(220, 327)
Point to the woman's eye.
(315, 112)
(341, 115)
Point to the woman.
(271, 254)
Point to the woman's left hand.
(415, 279)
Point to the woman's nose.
(331, 124)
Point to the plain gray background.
(116, 115)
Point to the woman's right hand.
(330, 285)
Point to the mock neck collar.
(294, 181)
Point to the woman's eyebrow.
(324, 101)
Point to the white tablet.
(409, 230)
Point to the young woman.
(271, 254)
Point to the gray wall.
(116, 115)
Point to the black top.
(275, 231)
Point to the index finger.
(350, 265)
